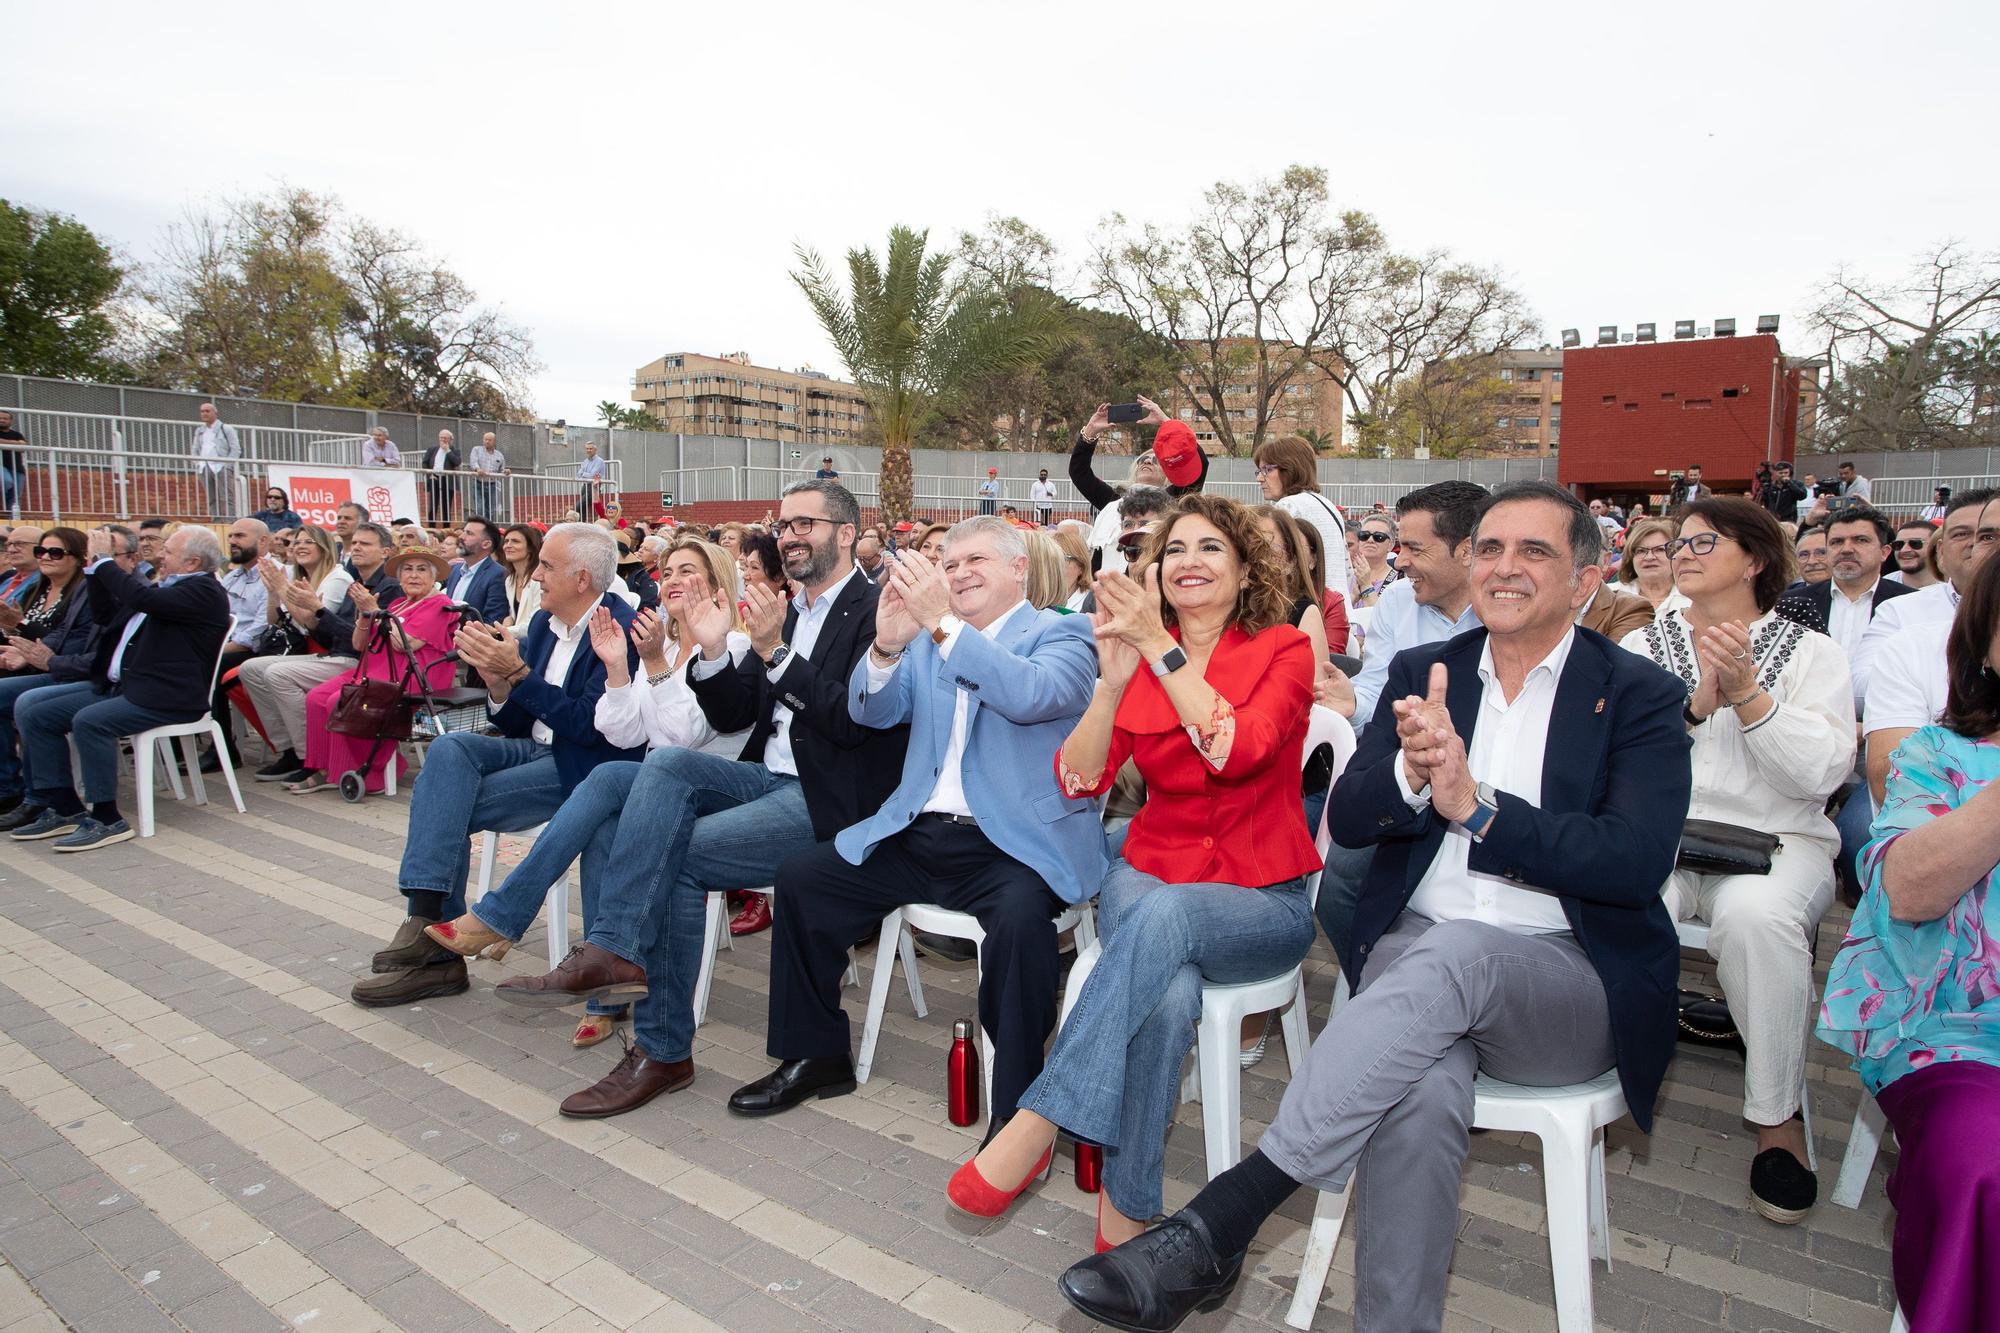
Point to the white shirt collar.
(833, 591)
(1552, 664)
(992, 631)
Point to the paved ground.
(199, 1131)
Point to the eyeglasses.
(52, 552)
(1900, 545)
(802, 527)
(1641, 552)
(1373, 537)
(1265, 468)
(1702, 543)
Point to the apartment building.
(1310, 402)
(1530, 420)
(694, 394)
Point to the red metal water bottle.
(1089, 1167)
(962, 1076)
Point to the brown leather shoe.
(469, 937)
(407, 947)
(443, 977)
(637, 1079)
(585, 973)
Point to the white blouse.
(530, 596)
(1775, 774)
(667, 714)
(334, 587)
(1314, 508)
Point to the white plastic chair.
(895, 939)
(1864, 1140)
(557, 902)
(154, 740)
(715, 937)
(1217, 1078)
(1570, 1123)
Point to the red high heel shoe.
(970, 1192)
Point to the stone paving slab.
(198, 1131)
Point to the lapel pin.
(1600, 706)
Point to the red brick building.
(1633, 412)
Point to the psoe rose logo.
(380, 508)
(318, 499)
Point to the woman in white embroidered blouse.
(1771, 714)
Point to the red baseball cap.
(906, 526)
(1175, 450)
(993, 472)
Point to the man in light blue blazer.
(990, 688)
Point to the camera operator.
(1777, 492)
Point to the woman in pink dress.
(426, 618)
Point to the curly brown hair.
(1267, 599)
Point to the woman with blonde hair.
(1045, 572)
(658, 709)
(1075, 564)
(930, 542)
(1646, 567)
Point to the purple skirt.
(1946, 1189)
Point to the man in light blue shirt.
(590, 474)
(1432, 602)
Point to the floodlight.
(1725, 328)
(1648, 333)
(1624, 337)
(1767, 323)
(1607, 333)
(1571, 338)
(1683, 328)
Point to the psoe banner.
(318, 492)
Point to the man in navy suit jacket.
(153, 665)
(990, 687)
(477, 580)
(542, 695)
(1524, 785)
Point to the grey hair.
(841, 506)
(1586, 538)
(591, 549)
(1371, 516)
(448, 435)
(655, 543)
(1007, 538)
(204, 548)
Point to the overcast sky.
(628, 180)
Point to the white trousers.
(278, 686)
(1760, 932)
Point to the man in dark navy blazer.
(477, 579)
(154, 664)
(1524, 785)
(542, 694)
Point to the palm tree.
(611, 413)
(914, 336)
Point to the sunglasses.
(1900, 545)
(52, 552)
(1373, 537)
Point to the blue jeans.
(1113, 1074)
(662, 835)
(13, 777)
(470, 784)
(1855, 817)
(10, 489)
(50, 717)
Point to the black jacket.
(334, 630)
(170, 664)
(1615, 791)
(451, 463)
(73, 640)
(1811, 604)
(846, 770)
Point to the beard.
(237, 557)
(811, 564)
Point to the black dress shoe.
(27, 812)
(945, 947)
(1155, 1280)
(1781, 1186)
(792, 1082)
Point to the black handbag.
(1705, 1021)
(1713, 848)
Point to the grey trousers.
(279, 685)
(1388, 1087)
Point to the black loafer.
(1781, 1187)
(1155, 1280)
(792, 1082)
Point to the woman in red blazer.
(1206, 685)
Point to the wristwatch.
(1487, 805)
(777, 657)
(1171, 660)
(946, 626)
